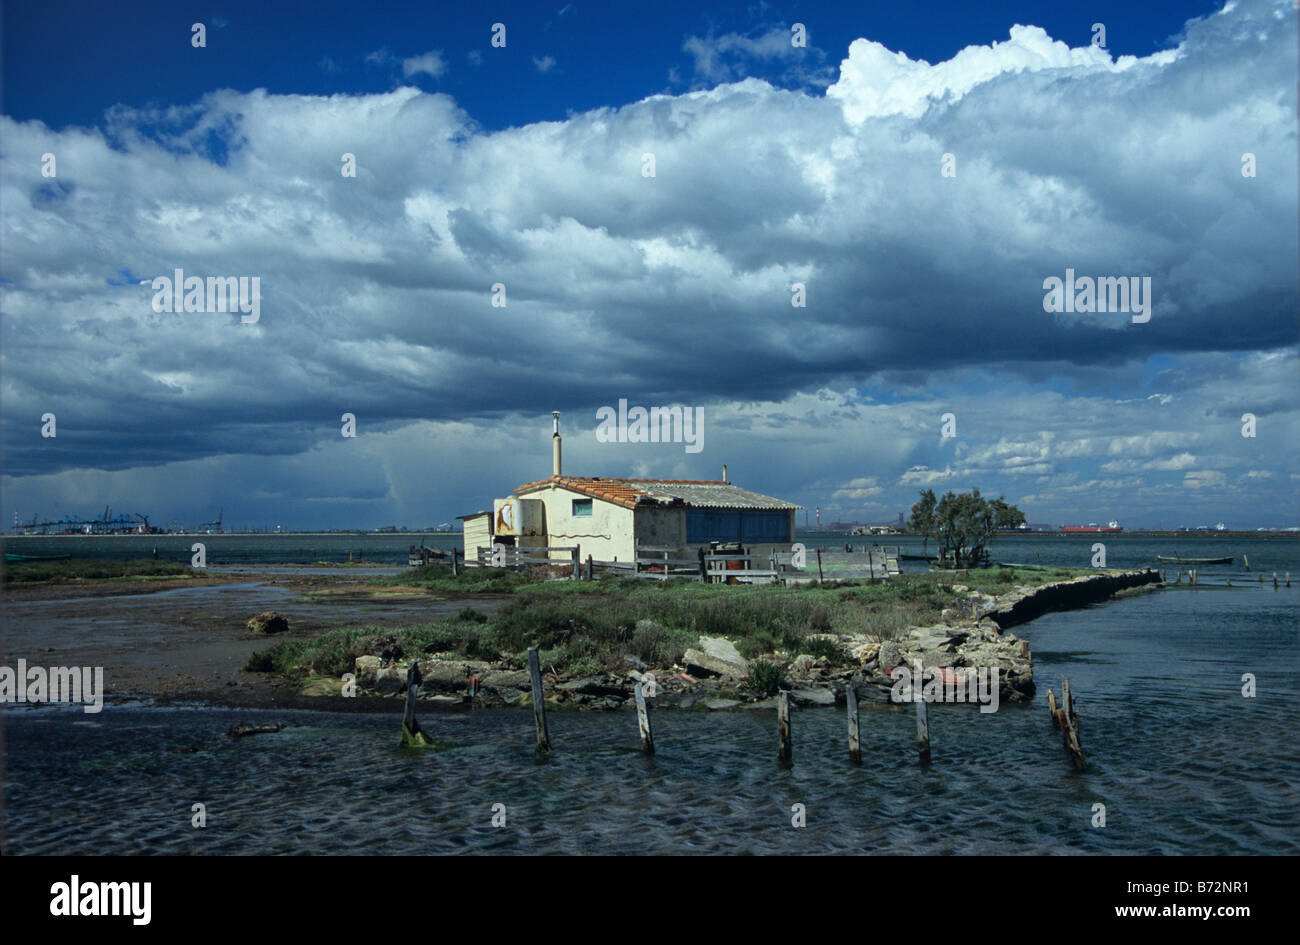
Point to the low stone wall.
(1018, 607)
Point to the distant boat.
(10, 556)
(1093, 527)
(1174, 559)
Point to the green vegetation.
(963, 525)
(438, 577)
(588, 627)
(85, 569)
(766, 677)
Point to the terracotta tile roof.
(706, 493)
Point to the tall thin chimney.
(555, 445)
(724, 472)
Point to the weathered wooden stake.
(855, 732)
(454, 569)
(1274, 580)
(643, 722)
(588, 567)
(1193, 576)
(1246, 559)
(539, 706)
(1051, 707)
(1288, 579)
(923, 731)
(1070, 726)
(820, 577)
(784, 752)
(412, 737)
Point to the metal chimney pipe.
(724, 472)
(555, 445)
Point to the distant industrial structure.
(107, 524)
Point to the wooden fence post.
(577, 562)
(539, 707)
(412, 737)
(455, 570)
(588, 567)
(821, 579)
(643, 722)
(923, 731)
(784, 752)
(855, 732)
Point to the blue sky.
(605, 54)
(524, 166)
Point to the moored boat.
(1175, 559)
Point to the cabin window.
(582, 508)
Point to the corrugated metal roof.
(698, 493)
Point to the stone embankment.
(713, 674)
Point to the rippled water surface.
(1181, 760)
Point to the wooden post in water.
(1274, 580)
(1246, 559)
(1288, 579)
(1051, 707)
(855, 732)
(539, 707)
(1070, 726)
(1193, 577)
(412, 737)
(643, 722)
(923, 731)
(784, 752)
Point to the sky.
(838, 254)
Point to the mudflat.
(173, 641)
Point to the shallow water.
(1182, 762)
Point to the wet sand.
(189, 643)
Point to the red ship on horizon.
(1091, 527)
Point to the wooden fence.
(517, 558)
(661, 562)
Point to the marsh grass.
(588, 627)
(87, 569)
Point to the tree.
(963, 525)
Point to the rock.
(812, 696)
(716, 657)
(391, 679)
(865, 652)
(365, 669)
(890, 655)
(716, 704)
(508, 679)
(450, 674)
(268, 622)
(242, 729)
(594, 686)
